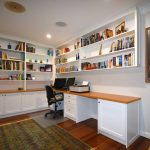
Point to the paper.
(85, 83)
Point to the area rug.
(28, 135)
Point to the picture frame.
(147, 55)
(28, 77)
(120, 28)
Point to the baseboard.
(23, 112)
(145, 134)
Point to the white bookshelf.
(118, 57)
(20, 58)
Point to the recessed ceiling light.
(14, 7)
(61, 24)
(48, 36)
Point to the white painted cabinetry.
(41, 99)
(70, 106)
(1, 104)
(119, 121)
(12, 103)
(18, 103)
(28, 101)
(78, 108)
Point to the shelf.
(39, 71)
(111, 38)
(68, 72)
(68, 53)
(11, 59)
(38, 80)
(67, 62)
(38, 54)
(11, 50)
(12, 80)
(124, 67)
(38, 63)
(11, 70)
(112, 53)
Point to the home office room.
(74, 75)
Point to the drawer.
(70, 96)
(70, 101)
(70, 110)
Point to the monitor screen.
(59, 83)
(70, 81)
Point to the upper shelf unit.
(114, 45)
(24, 61)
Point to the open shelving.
(15, 56)
(111, 46)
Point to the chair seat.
(53, 98)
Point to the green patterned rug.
(28, 135)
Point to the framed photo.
(42, 69)
(147, 56)
(120, 28)
(29, 77)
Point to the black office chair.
(53, 98)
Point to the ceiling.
(41, 15)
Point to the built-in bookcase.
(111, 46)
(25, 63)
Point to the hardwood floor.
(87, 131)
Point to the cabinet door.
(29, 101)
(1, 104)
(41, 99)
(112, 118)
(12, 103)
(70, 106)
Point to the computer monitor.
(59, 83)
(70, 81)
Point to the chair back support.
(49, 92)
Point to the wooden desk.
(105, 96)
(19, 91)
(117, 115)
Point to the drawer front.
(70, 110)
(70, 101)
(70, 96)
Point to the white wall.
(129, 81)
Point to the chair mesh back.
(49, 92)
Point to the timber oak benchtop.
(19, 91)
(93, 95)
(105, 96)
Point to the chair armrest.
(57, 93)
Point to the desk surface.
(105, 96)
(93, 95)
(18, 91)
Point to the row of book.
(66, 69)
(107, 33)
(11, 65)
(114, 62)
(20, 46)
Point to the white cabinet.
(41, 99)
(119, 121)
(1, 104)
(78, 108)
(28, 101)
(12, 103)
(112, 118)
(70, 106)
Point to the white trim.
(145, 134)
(23, 112)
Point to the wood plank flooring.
(87, 131)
